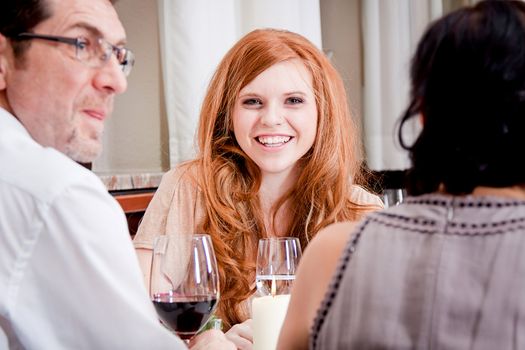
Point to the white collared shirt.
(69, 277)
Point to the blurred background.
(178, 44)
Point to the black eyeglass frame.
(126, 60)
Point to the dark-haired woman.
(446, 269)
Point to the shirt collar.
(9, 120)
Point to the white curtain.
(391, 30)
(195, 35)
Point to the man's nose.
(111, 78)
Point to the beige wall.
(136, 135)
(341, 31)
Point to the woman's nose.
(272, 115)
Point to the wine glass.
(393, 196)
(184, 282)
(277, 261)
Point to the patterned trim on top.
(394, 218)
(454, 226)
(480, 202)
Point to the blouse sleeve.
(361, 196)
(172, 211)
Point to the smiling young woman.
(278, 156)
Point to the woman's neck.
(516, 192)
(273, 187)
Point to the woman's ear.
(5, 51)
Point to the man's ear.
(4, 59)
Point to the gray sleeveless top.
(437, 272)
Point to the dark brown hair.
(468, 84)
(19, 16)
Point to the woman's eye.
(252, 102)
(294, 100)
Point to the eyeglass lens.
(102, 52)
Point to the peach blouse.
(177, 208)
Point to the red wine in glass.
(184, 314)
(184, 282)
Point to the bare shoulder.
(315, 272)
(332, 237)
(322, 256)
(324, 251)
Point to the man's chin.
(85, 152)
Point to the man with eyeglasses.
(69, 277)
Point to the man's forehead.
(98, 16)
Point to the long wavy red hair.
(230, 181)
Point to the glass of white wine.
(277, 261)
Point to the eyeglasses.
(94, 53)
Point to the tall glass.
(393, 196)
(184, 283)
(277, 261)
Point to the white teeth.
(273, 141)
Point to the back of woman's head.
(468, 85)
